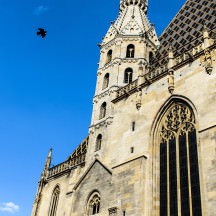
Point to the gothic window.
(98, 142)
(130, 51)
(103, 110)
(93, 207)
(179, 169)
(109, 56)
(128, 75)
(54, 201)
(106, 81)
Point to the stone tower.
(125, 53)
(151, 146)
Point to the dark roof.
(185, 30)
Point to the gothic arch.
(98, 142)
(103, 110)
(162, 110)
(128, 75)
(54, 201)
(175, 164)
(130, 51)
(105, 81)
(93, 203)
(109, 56)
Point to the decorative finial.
(47, 164)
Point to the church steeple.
(130, 41)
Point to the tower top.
(143, 4)
(132, 21)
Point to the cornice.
(112, 42)
(118, 60)
(103, 94)
(101, 123)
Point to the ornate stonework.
(150, 148)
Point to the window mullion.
(53, 206)
(189, 175)
(168, 180)
(178, 177)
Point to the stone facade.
(118, 172)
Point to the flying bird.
(41, 32)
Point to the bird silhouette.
(41, 32)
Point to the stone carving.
(113, 211)
(171, 86)
(139, 99)
(208, 61)
(178, 116)
(132, 27)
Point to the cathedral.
(151, 145)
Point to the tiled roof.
(185, 30)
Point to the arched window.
(150, 56)
(98, 142)
(103, 110)
(54, 201)
(128, 75)
(109, 56)
(106, 81)
(179, 168)
(93, 207)
(130, 51)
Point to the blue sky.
(47, 85)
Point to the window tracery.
(179, 168)
(94, 204)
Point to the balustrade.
(70, 163)
(126, 89)
(158, 72)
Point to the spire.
(41, 183)
(132, 21)
(47, 164)
(143, 4)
